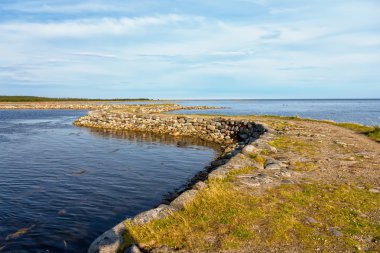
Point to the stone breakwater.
(231, 134)
(235, 138)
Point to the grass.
(375, 133)
(223, 218)
(258, 158)
(293, 144)
(371, 131)
(47, 99)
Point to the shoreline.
(240, 153)
(252, 146)
(236, 149)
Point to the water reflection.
(179, 141)
(62, 186)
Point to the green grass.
(47, 99)
(375, 133)
(295, 145)
(223, 218)
(371, 131)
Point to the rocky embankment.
(231, 134)
(234, 136)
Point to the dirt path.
(332, 154)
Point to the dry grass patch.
(295, 145)
(304, 166)
(302, 217)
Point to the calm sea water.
(62, 186)
(361, 111)
(366, 112)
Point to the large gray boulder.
(184, 199)
(159, 212)
(109, 241)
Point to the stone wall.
(234, 137)
(231, 134)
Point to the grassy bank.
(330, 204)
(372, 132)
(47, 99)
(301, 217)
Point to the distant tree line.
(47, 99)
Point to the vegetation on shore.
(47, 99)
(372, 132)
(304, 217)
(308, 214)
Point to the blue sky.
(190, 48)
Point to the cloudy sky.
(190, 48)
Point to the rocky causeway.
(238, 139)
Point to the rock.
(109, 241)
(310, 220)
(185, 198)
(219, 162)
(250, 150)
(159, 212)
(211, 127)
(287, 181)
(200, 186)
(335, 232)
(133, 249)
(374, 190)
(272, 164)
(243, 136)
(219, 173)
(240, 161)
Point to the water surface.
(361, 111)
(62, 186)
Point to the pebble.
(335, 232)
(310, 220)
(374, 190)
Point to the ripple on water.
(62, 186)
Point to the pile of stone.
(220, 130)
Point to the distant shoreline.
(48, 99)
(16, 99)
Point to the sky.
(189, 49)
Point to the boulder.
(200, 186)
(250, 150)
(272, 164)
(184, 199)
(240, 161)
(219, 173)
(109, 241)
(159, 212)
(133, 249)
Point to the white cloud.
(96, 54)
(167, 51)
(85, 28)
(57, 7)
